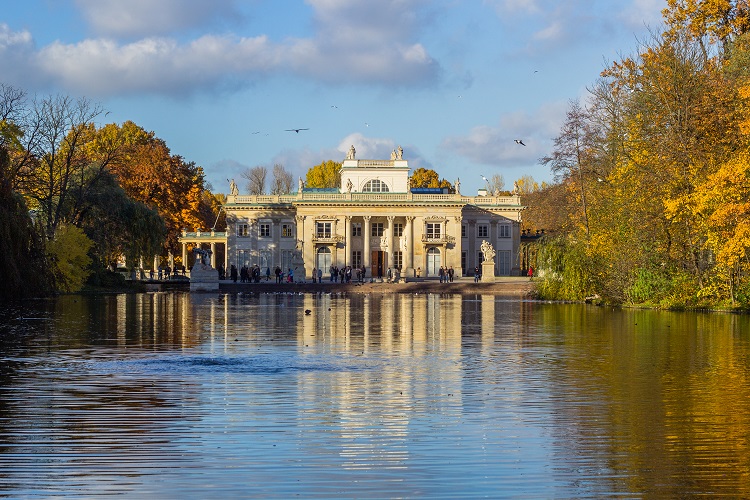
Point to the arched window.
(375, 186)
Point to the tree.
(427, 178)
(325, 175)
(68, 257)
(282, 180)
(495, 184)
(53, 166)
(256, 179)
(150, 174)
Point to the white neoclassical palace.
(373, 220)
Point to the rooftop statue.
(233, 188)
(351, 153)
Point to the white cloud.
(355, 42)
(494, 145)
(147, 18)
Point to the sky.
(453, 82)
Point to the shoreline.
(504, 286)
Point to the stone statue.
(350, 154)
(458, 185)
(202, 256)
(400, 153)
(488, 251)
(393, 154)
(515, 187)
(233, 188)
(349, 185)
(301, 184)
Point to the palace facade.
(373, 220)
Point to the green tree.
(67, 254)
(325, 175)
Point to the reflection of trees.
(658, 399)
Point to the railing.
(330, 240)
(204, 234)
(438, 240)
(375, 197)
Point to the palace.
(375, 220)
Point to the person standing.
(320, 276)
(233, 273)
(451, 272)
(315, 274)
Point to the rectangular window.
(357, 258)
(463, 263)
(356, 229)
(483, 231)
(323, 230)
(433, 230)
(286, 231)
(503, 262)
(398, 231)
(463, 230)
(398, 259)
(377, 229)
(504, 231)
(264, 230)
(242, 230)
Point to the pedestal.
(204, 278)
(488, 272)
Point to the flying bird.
(295, 129)
(519, 141)
(485, 178)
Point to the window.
(356, 229)
(398, 259)
(433, 229)
(286, 231)
(323, 230)
(357, 258)
(376, 229)
(242, 230)
(504, 231)
(483, 231)
(265, 230)
(398, 229)
(480, 257)
(463, 230)
(375, 186)
(463, 263)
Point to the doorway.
(323, 259)
(433, 261)
(377, 264)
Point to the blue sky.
(453, 82)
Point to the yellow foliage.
(68, 257)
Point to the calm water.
(173, 395)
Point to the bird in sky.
(485, 178)
(519, 141)
(295, 129)
(258, 132)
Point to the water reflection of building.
(375, 219)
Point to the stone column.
(347, 240)
(302, 248)
(184, 255)
(471, 252)
(408, 270)
(366, 238)
(458, 247)
(213, 254)
(276, 235)
(392, 247)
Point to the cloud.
(354, 43)
(147, 18)
(494, 145)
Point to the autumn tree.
(283, 181)
(325, 175)
(256, 179)
(149, 173)
(427, 178)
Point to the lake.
(281, 395)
